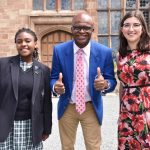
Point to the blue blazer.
(63, 61)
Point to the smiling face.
(82, 28)
(25, 45)
(132, 30)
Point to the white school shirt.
(86, 57)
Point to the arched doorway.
(48, 41)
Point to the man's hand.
(59, 87)
(100, 83)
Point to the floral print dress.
(134, 118)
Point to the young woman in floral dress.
(134, 75)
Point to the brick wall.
(14, 14)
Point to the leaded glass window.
(114, 42)
(78, 4)
(115, 20)
(50, 4)
(103, 22)
(102, 4)
(58, 5)
(103, 40)
(109, 14)
(66, 4)
(144, 3)
(116, 4)
(37, 5)
(131, 3)
(146, 16)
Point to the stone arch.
(54, 28)
(49, 38)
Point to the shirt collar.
(86, 49)
(25, 65)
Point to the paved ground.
(109, 127)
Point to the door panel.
(49, 41)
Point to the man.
(81, 71)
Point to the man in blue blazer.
(98, 79)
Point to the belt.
(128, 87)
(89, 102)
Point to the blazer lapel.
(94, 59)
(69, 65)
(15, 75)
(36, 79)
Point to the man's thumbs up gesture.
(59, 87)
(100, 83)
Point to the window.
(143, 5)
(50, 4)
(58, 5)
(109, 14)
(38, 5)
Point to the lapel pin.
(36, 70)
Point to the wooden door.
(49, 41)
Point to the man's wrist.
(54, 92)
(107, 85)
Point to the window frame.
(123, 9)
(58, 6)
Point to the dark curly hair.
(28, 30)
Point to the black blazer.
(41, 108)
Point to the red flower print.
(127, 74)
(147, 115)
(144, 140)
(138, 123)
(121, 142)
(143, 62)
(148, 139)
(134, 144)
(145, 96)
(140, 59)
(122, 61)
(131, 102)
(145, 57)
(142, 78)
(124, 129)
(134, 116)
(125, 115)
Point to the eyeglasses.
(134, 25)
(84, 28)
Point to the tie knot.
(80, 51)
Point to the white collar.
(86, 49)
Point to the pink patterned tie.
(80, 85)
